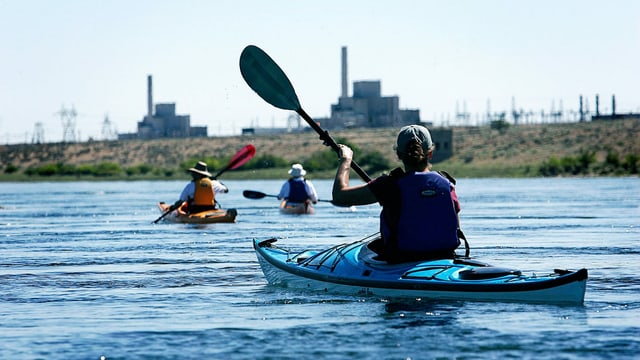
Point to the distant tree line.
(585, 163)
(319, 161)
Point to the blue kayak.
(352, 268)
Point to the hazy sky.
(435, 55)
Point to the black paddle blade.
(266, 78)
(250, 194)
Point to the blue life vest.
(424, 219)
(297, 191)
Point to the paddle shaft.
(328, 140)
(251, 194)
(221, 172)
(171, 208)
(245, 154)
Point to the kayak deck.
(205, 217)
(353, 269)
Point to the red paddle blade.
(241, 157)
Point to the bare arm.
(343, 194)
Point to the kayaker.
(297, 189)
(200, 191)
(419, 217)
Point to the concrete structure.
(165, 123)
(443, 140)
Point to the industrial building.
(613, 116)
(164, 123)
(367, 107)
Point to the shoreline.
(481, 152)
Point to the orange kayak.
(205, 217)
(296, 208)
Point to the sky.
(437, 56)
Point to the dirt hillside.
(524, 144)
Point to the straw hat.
(200, 168)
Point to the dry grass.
(474, 147)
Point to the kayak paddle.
(240, 158)
(268, 80)
(171, 208)
(250, 194)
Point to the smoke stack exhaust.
(345, 86)
(149, 97)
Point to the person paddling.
(419, 217)
(297, 189)
(200, 192)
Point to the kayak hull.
(352, 269)
(205, 217)
(296, 208)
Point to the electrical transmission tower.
(38, 134)
(462, 117)
(108, 132)
(293, 122)
(68, 118)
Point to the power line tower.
(517, 115)
(108, 132)
(38, 134)
(462, 117)
(68, 118)
(293, 122)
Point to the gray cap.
(413, 132)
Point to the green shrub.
(265, 161)
(47, 170)
(321, 160)
(10, 168)
(631, 163)
(374, 162)
(107, 169)
(85, 169)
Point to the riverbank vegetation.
(584, 149)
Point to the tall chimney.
(597, 105)
(149, 97)
(581, 111)
(345, 86)
(613, 105)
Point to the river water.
(84, 274)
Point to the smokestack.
(345, 86)
(149, 97)
(613, 105)
(581, 111)
(597, 105)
